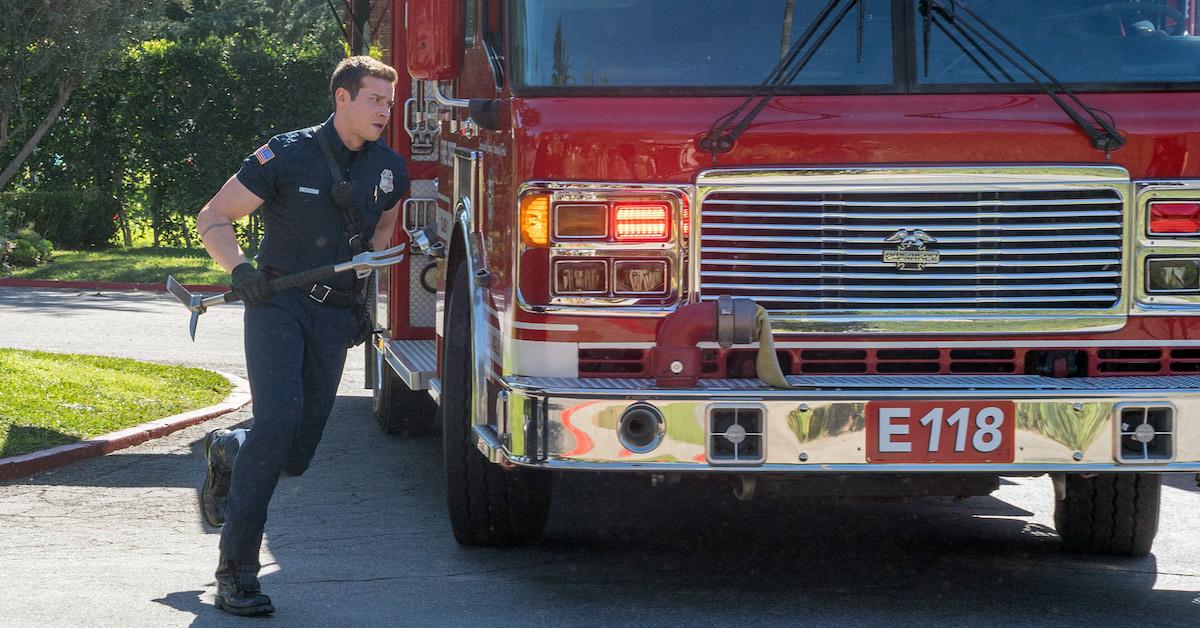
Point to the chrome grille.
(993, 248)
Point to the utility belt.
(325, 295)
(319, 292)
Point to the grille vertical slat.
(993, 250)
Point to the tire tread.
(1109, 513)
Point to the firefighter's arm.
(382, 238)
(215, 221)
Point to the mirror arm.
(446, 101)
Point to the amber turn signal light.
(535, 220)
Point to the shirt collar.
(335, 140)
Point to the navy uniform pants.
(295, 351)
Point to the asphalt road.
(362, 539)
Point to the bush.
(28, 248)
(71, 219)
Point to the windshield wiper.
(1101, 130)
(725, 131)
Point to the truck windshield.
(1099, 45)
(692, 43)
(1082, 42)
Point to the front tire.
(489, 505)
(1111, 513)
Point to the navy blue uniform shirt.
(302, 227)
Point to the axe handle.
(305, 278)
(278, 284)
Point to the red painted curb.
(30, 463)
(103, 285)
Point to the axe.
(367, 260)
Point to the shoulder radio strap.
(353, 234)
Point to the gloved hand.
(251, 285)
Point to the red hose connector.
(675, 359)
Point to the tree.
(289, 20)
(48, 48)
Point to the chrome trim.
(997, 469)
(927, 275)
(899, 300)
(878, 252)
(1146, 245)
(414, 361)
(924, 226)
(943, 240)
(958, 320)
(985, 203)
(466, 188)
(820, 430)
(943, 263)
(435, 90)
(843, 386)
(417, 214)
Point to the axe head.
(191, 301)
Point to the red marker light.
(641, 221)
(1175, 218)
(686, 219)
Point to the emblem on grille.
(911, 253)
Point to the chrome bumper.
(565, 424)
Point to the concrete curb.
(27, 464)
(103, 285)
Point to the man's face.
(367, 114)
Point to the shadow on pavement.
(81, 304)
(363, 539)
(1181, 481)
(186, 601)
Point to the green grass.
(138, 264)
(49, 399)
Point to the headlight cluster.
(1168, 251)
(609, 246)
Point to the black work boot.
(220, 448)
(239, 592)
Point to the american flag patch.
(264, 154)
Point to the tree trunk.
(64, 92)
(118, 176)
(155, 219)
(126, 230)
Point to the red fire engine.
(904, 246)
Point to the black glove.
(251, 284)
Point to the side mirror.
(435, 39)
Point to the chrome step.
(415, 361)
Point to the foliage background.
(159, 125)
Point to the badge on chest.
(386, 184)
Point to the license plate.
(940, 431)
